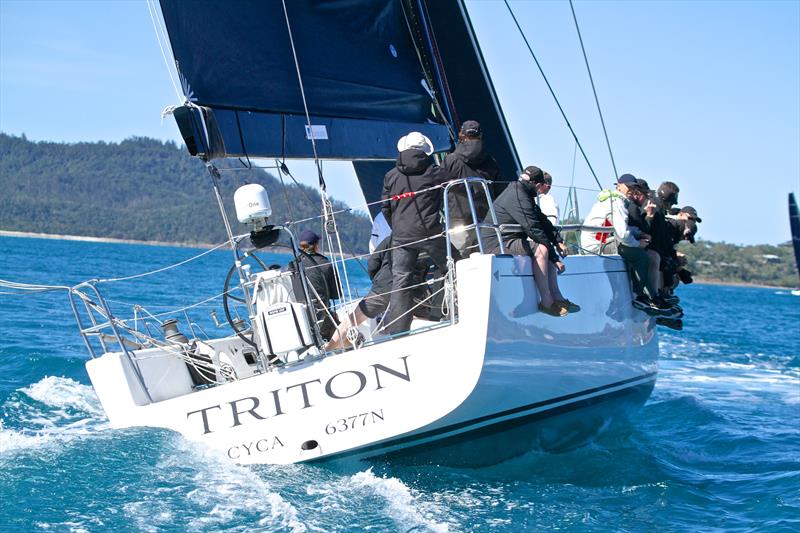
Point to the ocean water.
(716, 448)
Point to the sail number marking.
(354, 422)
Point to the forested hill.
(141, 189)
(760, 264)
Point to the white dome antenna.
(252, 205)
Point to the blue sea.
(716, 448)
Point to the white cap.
(415, 140)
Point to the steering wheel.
(227, 297)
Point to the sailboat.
(794, 224)
(492, 379)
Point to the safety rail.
(476, 225)
(100, 318)
(565, 228)
(97, 324)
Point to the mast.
(468, 82)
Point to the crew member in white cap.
(412, 211)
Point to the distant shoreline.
(8, 233)
(740, 284)
(83, 238)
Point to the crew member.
(469, 160)
(411, 204)
(323, 286)
(536, 238)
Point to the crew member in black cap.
(667, 197)
(321, 277)
(537, 238)
(689, 213)
(469, 160)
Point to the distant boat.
(794, 223)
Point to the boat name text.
(305, 395)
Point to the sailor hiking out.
(536, 237)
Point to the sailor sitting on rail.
(611, 210)
(537, 238)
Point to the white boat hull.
(503, 380)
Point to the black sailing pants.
(404, 267)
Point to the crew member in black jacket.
(537, 238)
(323, 286)
(469, 160)
(414, 218)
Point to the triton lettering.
(303, 395)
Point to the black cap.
(668, 193)
(309, 237)
(692, 212)
(642, 184)
(534, 173)
(471, 128)
(628, 180)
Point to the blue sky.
(706, 94)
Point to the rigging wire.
(159, 35)
(552, 92)
(591, 79)
(569, 202)
(285, 192)
(310, 133)
(326, 205)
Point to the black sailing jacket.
(319, 273)
(415, 218)
(517, 205)
(469, 161)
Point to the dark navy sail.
(455, 67)
(360, 70)
(372, 71)
(468, 84)
(794, 224)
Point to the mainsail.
(361, 78)
(371, 71)
(794, 224)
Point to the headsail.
(361, 75)
(455, 65)
(794, 224)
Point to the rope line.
(159, 36)
(552, 92)
(303, 95)
(591, 79)
(163, 269)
